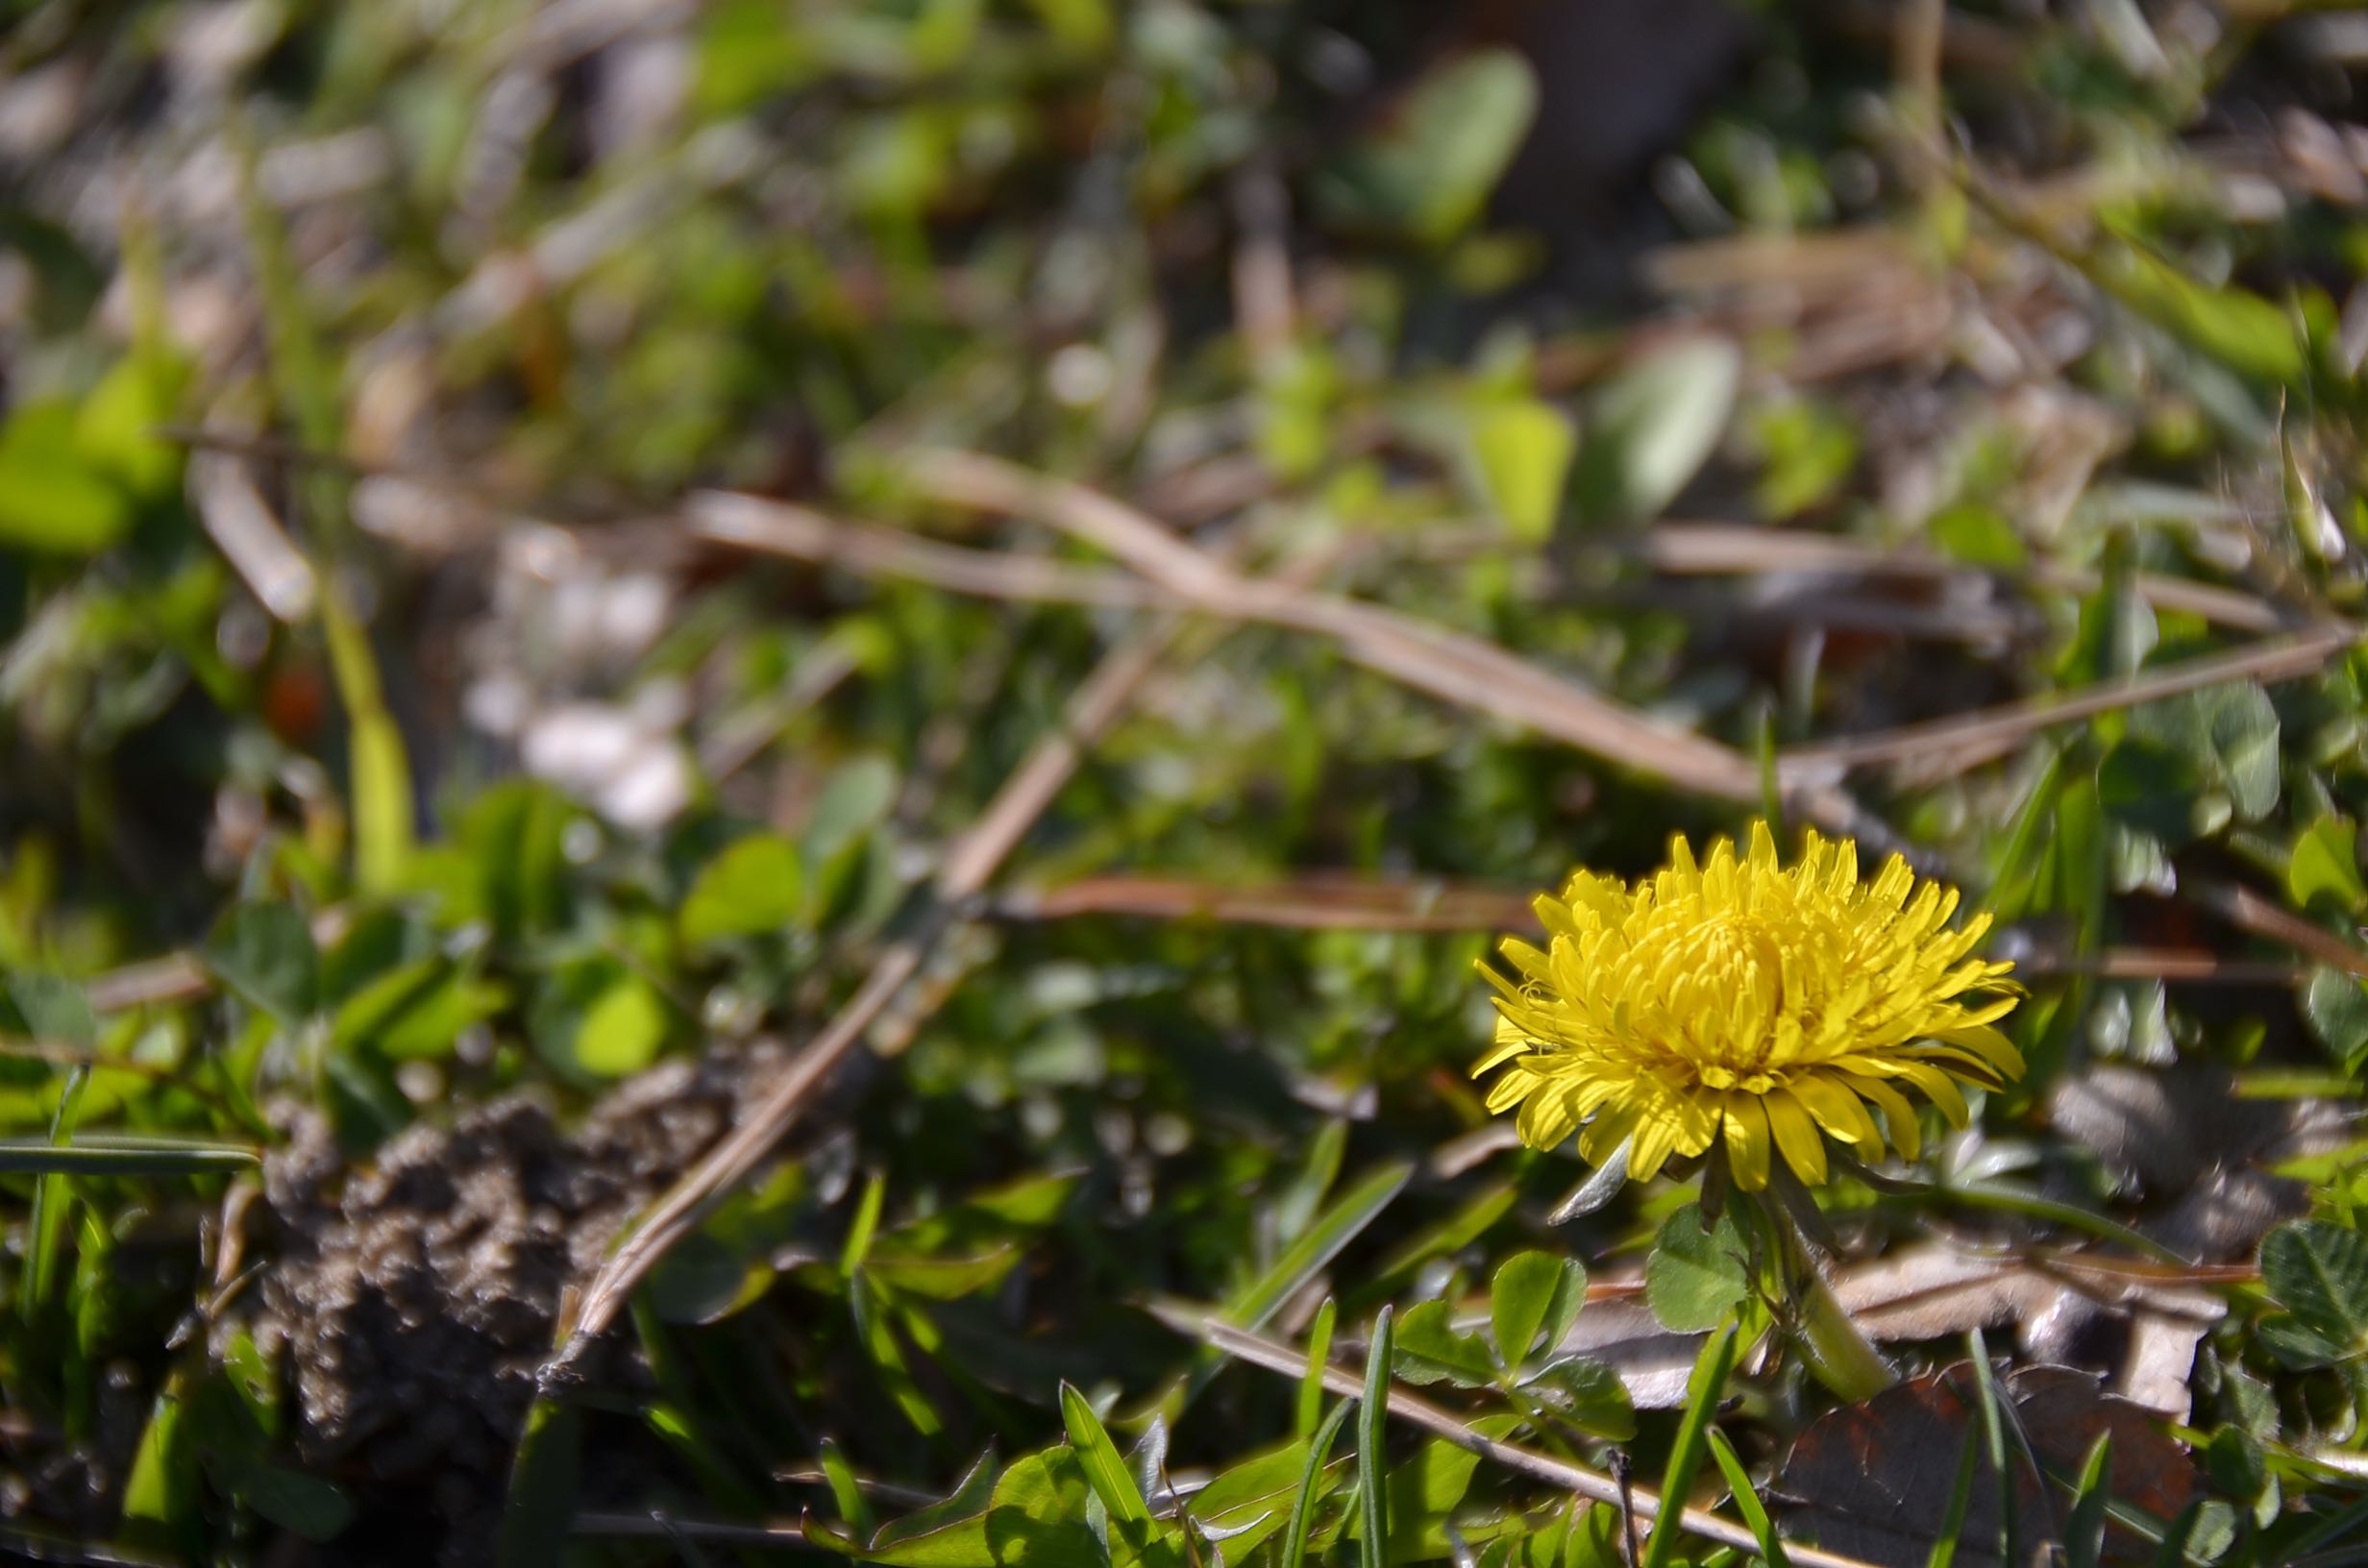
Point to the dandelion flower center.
(1740, 1001)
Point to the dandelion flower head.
(1736, 1000)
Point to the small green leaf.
(316, 1510)
(2325, 864)
(2335, 1005)
(854, 799)
(2235, 1463)
(2152, 787)
(1587, 1393)
(944, 1279)
(879, 1342)
(1105, 1467)
(1248, 1503)
(1653, 425)
(1535, 1290)
(622, 1030)
(55, 1009)
(1695, 1276)
(1429, 170)
(1430, 1350)
(115, 427)
(966, 1503)
(845, 1490)
(2251, 335)
(754, 887)
(264, 953)
(52, 499)
(1979, 535)
(1038, 1519)
(2319, 1272)
(1522, 451)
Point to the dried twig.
(1946, 746)
(2244, 908)
(1721, 548)
(801, 534)
(1463, 669)
(1332, 901)
(1309, 903)
(175, 977)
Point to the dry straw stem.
(2249, 911)
(1727, 549)
(1463, 670)
(1593, 1484)
(1325, 901)
(1945, 746)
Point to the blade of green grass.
(1339, 1225)
(1994, 1439)
(1960, 1498)
(1372, 1466)
(2083, 1533)
(1710, 1383)
(845, 1490)
(1105, 1467)
(2334, 1528)
(542, 1483)
(121, 1154)
(51, 1200)
(2009, 890)
(1318, 1353)
(1303, 1506)
(866, 1225)
(1747, 1500)
(305, 382)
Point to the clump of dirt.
(411, 1299)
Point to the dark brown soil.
(411, 1299)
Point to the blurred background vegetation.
(1087, 555)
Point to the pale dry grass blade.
(1465, 671)
(1941, 747)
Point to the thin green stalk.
(1311, 1483)
(1960, 1498)
(1994, 1439)
(1709, 1385)
(1833, 1347)
(1746, 1499)
(1372, 1437)
(1319, 1355)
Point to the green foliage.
(1395, 305)
(1697, 1273)
(1428, 172)
(1523, 449)
(2319, 1274)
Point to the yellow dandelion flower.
(1741, 1001)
